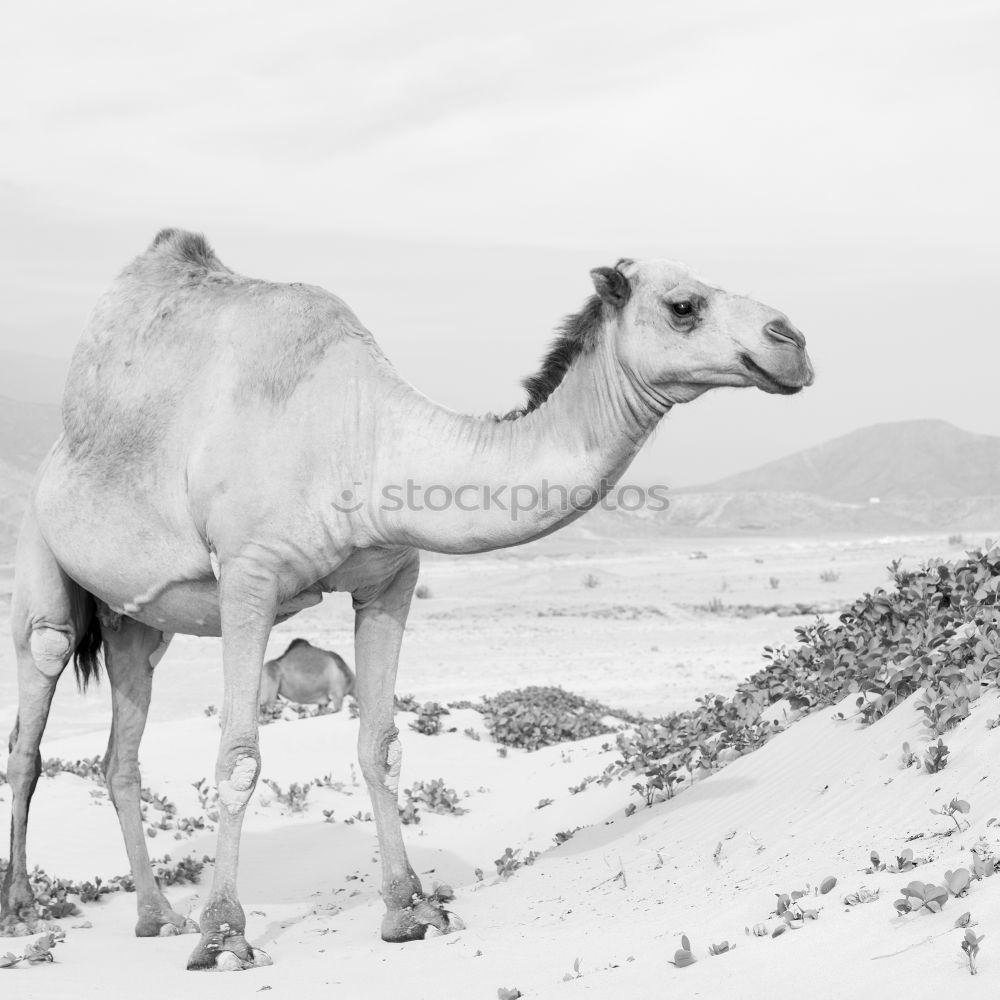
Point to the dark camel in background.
(307, 675)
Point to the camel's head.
(679, 336)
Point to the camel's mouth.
(766, 380)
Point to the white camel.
(229, 446)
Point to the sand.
(619, 894)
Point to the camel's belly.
(192, 607)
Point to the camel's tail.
(87, 655)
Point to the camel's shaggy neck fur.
(577, 335)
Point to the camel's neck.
(451, 483)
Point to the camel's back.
(177, 336)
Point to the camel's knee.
(238, 779)
(50, 648)
(381, 761)
(23, 767)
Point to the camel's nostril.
(783, 331)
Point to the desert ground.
(640, 625)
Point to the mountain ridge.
(905, 460)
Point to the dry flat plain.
(636, 624)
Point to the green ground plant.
(936, 630)
(428, 720)
(535, 717)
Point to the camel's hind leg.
(49, 614)
(131, 652)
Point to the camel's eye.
(681, 309)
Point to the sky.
(454, 170)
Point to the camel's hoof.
(421, 920)
(226, 951)
(172, 930)
(164, 924)
(455, 924)
(226, 961)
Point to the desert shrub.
(509, 861)
(291, 711)
(955, 539)
(423, 592)
(829, 576)
(534, 717)
(937, 629)
(428, 720)
(52, 894)
(590, 581)
(188, 869)
(294, 798)
(89, 767)
(208, 798)
(774, 582)
(715, 606)
(435, 796)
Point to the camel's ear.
(611, 285)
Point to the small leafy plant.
(435, 796)
(37, 952)
(294, 799)
(970, 945)
(958, 882)
(936, 758)
(950, 809)
(575, 974)
(428, 720)
(921, 895)
(683, 956)
(509, 862)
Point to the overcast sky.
(454, 169)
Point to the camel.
(234, 449)
(307, 675)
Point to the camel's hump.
(190, 248)
(176, 329)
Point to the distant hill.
(912, 460)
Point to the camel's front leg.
(379, 624)
(248, 599)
